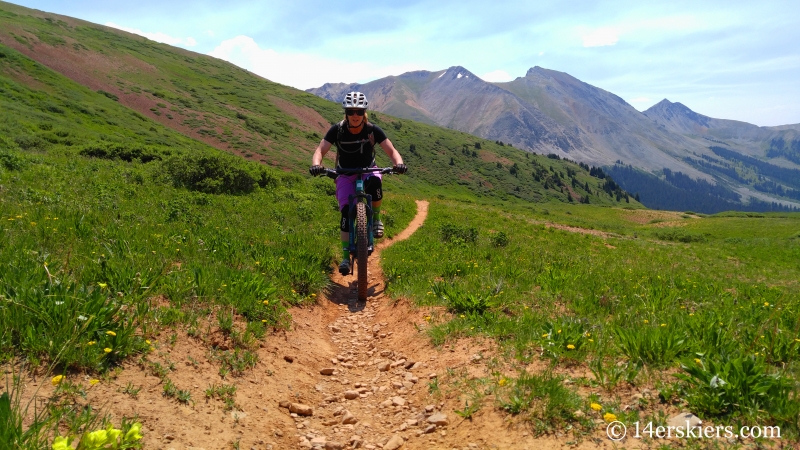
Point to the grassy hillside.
(231, 109)
(120, 224)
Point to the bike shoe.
(344, 267)
(377, 229)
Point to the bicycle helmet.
(355, 100)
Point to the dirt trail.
(348, 375)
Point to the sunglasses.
(357, 112)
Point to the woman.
(355, 138)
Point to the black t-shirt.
(355, 150)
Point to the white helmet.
(355, 100)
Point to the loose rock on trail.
(347, 375)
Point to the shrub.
(107, 150)
(679, 235)
(456, 234)
(10, 160)
(212, 174)
(499, 239)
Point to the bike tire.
(362, 242)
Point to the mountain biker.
(355, 138)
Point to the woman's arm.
(391, 152)
(320, 152)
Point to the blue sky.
(727, 59)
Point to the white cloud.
(600, 37)
(300, 70)
(497, 76)
(158, 36)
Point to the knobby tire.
(362, 241)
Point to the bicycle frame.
(359, 196)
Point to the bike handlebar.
(333, 173)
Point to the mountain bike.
(362, 242)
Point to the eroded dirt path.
(347, 375)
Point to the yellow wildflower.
(663, 324)
(502, 382)
(57, 380)
(102, 285)
(596, 406)
(107, 350)
(266, 302)
(545, 335)
(147, 341)
(570, 347)
(608, 417)
(766, 303)
(93, 382)
(697, 360)
(559, 331)
(111, 333)
(646, 321)
(91, 343)
(263, 320)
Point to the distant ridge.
(548, 111)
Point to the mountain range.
(552, 112)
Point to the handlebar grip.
(331, 173)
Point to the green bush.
(109, 150)
(10, 160)
(456, 234)
(212, 174)
(679, 235)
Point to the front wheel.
(362, 242)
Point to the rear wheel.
(362, 241)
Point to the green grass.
(115, 228)
(647, 303)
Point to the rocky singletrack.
(348, 375)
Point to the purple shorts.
(346, 186)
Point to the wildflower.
(57, 380)
(646, 321)
(502, 382)
(266, 302)
(663, 324)
(107, 350)
(691, 314)
(697, 360)
(263, 320)
(559, 331)
(102, 285)
(62, 443)
(82, 317)
(608, 417)
(133, 433)
(766, 303)
(152, 349)
(93, 382)
(570, 347)
(147, 341)
(313, 295)
(462, 316)
(591, 340)
(111, 333)
(427, 318)
(280, 259)
(596, 406)
(91, 343)
(258, 263)
(545, 335)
